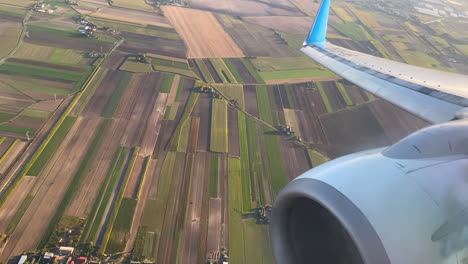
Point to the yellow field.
(133, 4)
(204, 36)
(341, 13)
(22, 3)
(366, 18)
(51, 54)
(9, 39)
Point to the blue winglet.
(318, 32)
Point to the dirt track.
(203, 34)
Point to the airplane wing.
(433, 95)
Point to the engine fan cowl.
(371, 208)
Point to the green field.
(295, 74)
(10, 148)
(248, 242)
(351, 30)
(114, 100)
(26, 86)
(204, 71)
(150, 30)
(246, 178)
(276, 170)
(177, 135)
(167, 83)
(252, 71)
(132, 4)
(19, 214)
(316, 158)
(233, 70)
(324, 96)
(115, 209)
(223, 72)
(344, 93)
(51, 147)
(219, 126)
(135, 66)
(232, 92)
(12, 11)
(17, 130)
(31, 70)
(267, 64)
(49, 54)
(123, 223)
(88, 93)
(169, 63)
(105, 192)
(74, 185)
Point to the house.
(22, 259)
(48, 256)
(81, 260)
(66, 251)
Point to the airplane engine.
(404, 204)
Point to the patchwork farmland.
(162, 135)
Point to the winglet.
(318, 32)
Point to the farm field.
(130, 16)
(192, 25)
(136, 4)
(163, 135)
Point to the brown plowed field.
(83, 201)
(192, 227)
(247, 7)
(292, 25)
(212, 71)
(59, 41)
(214, 226)
(356, 94)
(50, 105)
(10, 207)
(294, 157)
(396, 122)
(47, 65)
(132, 186)
(161, 46)
(173, 92)
(102, 94)
(334, 96)
(233, 133)
(150, 137)
(250, 98)
(5, 145)
(114, 60)
(50, 188)
(242, 70)
(137, 105)
(353, 130)
(140, 207)
(202, 110)
(193, 135)
(255, 40)
(132, 16)
(202, 33)
(223, 194)
(12, 156)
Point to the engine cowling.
(403, 204)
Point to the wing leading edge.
(433, 95)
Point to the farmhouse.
(66, 251)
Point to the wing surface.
(433, 95)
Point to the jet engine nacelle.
(404, 204)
